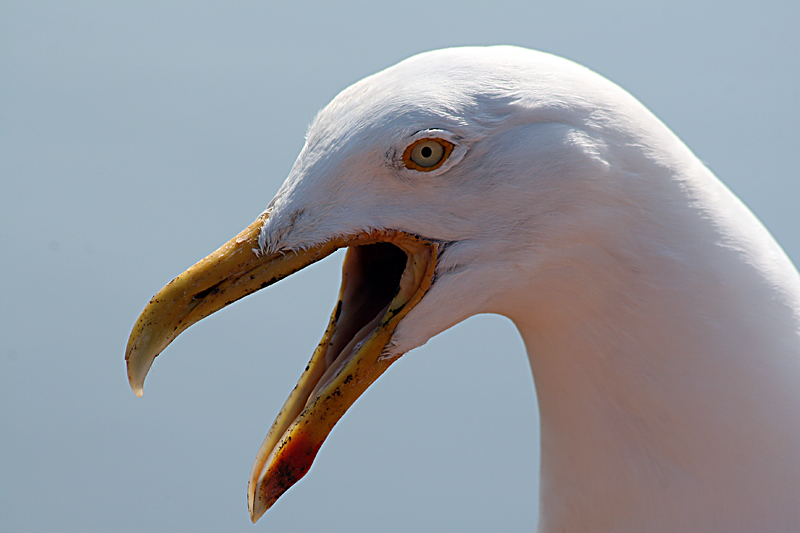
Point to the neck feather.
(668, 384)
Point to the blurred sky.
(135, 138)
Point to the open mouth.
(372, 273)
(384, 275)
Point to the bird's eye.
(427, 154)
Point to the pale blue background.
(137, 138)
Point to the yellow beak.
(385, 274)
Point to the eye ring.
(427, 154)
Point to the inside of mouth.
(373, 273)
(373, 279)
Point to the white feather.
(661, 319)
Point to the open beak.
(385, 274)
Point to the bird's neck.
(669, 399)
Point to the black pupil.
(426, 151)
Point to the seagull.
(660, 318)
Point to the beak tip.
(136, 381)
(138, 367)
(257, 510)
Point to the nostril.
(214, 289)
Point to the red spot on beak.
(292, 463)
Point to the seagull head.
(453, 179)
